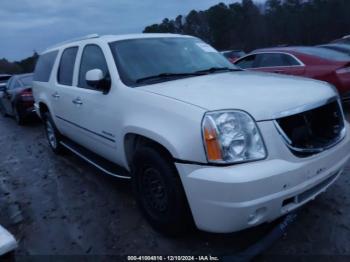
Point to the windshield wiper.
(163, 76)
(166, 75)
(217, 69)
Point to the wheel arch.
(134, 140)
(43, 108)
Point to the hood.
(262, 95)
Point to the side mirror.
(96, 79)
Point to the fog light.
(257, 216)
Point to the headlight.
(231, 137)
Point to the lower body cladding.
(233, 198)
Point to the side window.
(44, 66)
(271, 60)
(275, 60)
(92, 58)
(247, 62)
(66, 68)
(291, 60)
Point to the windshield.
(139, 59)
(324, 53)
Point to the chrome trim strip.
(304, 108)
(92, 162)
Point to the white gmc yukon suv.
(201, 140)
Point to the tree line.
(19, 67)
(246, 25)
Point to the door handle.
(77, 101)
(55, 95)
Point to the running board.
(97, 161)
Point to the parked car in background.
(343, 40)
(313, 62)
(3, 80)
(338, 47)
(233, 55)
(200, 139)
(16, 99)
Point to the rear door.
(64, 91)
(280, 63)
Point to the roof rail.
(75, 40)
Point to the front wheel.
(159, 192)
(52, 134)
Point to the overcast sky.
(28, 25)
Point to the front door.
(92, 113)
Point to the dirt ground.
(59, 205)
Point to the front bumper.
(229, 199)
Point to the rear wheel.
(159, 192)
(52, 134)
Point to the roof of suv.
(111, 38)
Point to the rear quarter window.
(44, 66)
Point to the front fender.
(173, 124)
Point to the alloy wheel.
(51, 136)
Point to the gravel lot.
(59, 205)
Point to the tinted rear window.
(324, 53)
(27, 80)
(65, 71)
(44, 66)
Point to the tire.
(52, 134)
(18, 116)
(159, 192)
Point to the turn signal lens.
(211, 141)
